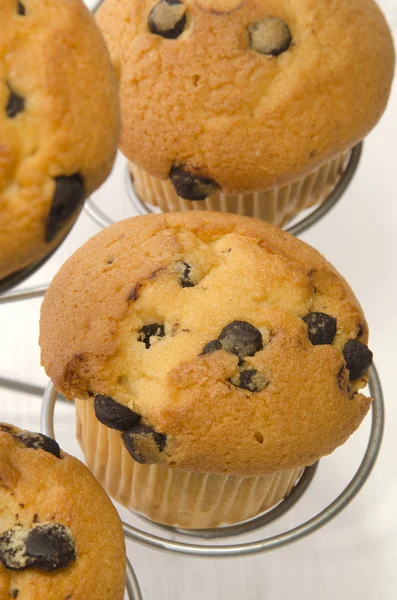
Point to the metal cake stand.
(188, 548)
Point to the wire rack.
(217, 550)
(162, 542)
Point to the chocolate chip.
(14, 593)
(250, 379)
(39, 441)
(358, 358)
(184, 271)
(321, 328)
(21, 9)
(113, 414)
(48, 547)
(15, 105)
(241, 338)
(149, 331)
(271, 36)
(167, 18)
(190, 186)
(144, 443)
(211, 347)
(68, 196)
(51, 547)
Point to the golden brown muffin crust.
(36, 488)
(249, 121)
(65, 123)
(129, 314)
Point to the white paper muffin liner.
(276, 206)
(177, 498)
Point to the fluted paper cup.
(177, 498)
(277, 206)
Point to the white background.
(353, 557)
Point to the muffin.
(59, 123)
(245, 106)
(52, 544)
(211, 358)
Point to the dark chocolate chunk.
(241, 338)
(213, 346)
(14, 594)
(321, 328)
(358, 358)
(68, 196)
(15, 105)
(184, 271)
(168, 19)
(39, 441)
(271, 36)
(21, 9)
(190, 186)
(144, 443)
(149, 331)
(48, 547)
(114, 415)
(250, 379)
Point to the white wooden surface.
(355, 556)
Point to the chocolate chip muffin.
(60, 535)
(59, 123)
(246, 106)
(212, 357)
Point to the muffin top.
(216, 343)
(59, 123)
(244, 95)
(60, 535)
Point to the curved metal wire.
(133, 588)
(266, 544)
(103, 220)
(33, 292)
